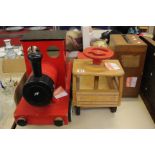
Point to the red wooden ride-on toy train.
(44, 74)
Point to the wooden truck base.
(96, 85)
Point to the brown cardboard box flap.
(131, 51)
(127, 40)
(16, 65)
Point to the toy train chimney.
(35, 59)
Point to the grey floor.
(131, 114)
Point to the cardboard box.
(130, 50)
(16, 65)
(14, 69)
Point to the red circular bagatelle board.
(98, 54)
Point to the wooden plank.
(74, 89)
(97, 104)
(85, 67)
(86, 82)
(106, 83)
(97, 98)
(121, 79)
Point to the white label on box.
(111, 66)
(60, 92)
(131, 82)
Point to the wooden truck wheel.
(113, 109)
(77, 110)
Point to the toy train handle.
(35, 59)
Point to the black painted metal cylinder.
(38, 91)
(35, 59)
(39, 88)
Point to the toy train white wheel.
(21, 121)
(58, 121)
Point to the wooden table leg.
(120, 88)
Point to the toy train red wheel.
(98, 54)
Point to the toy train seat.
(44, 75)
